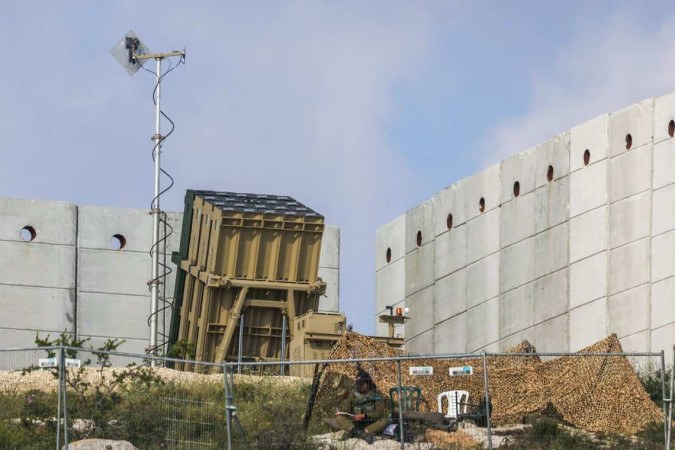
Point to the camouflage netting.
(594, 393)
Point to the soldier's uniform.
(369, 403)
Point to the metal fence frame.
(229, 368)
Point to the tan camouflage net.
(594, 393)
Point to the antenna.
(132, 54)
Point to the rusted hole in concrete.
(419, 238)
(117, 242)
(549, 173)
(671, 128)
(629, 141)
(516, 189)
(388, 254)
(587, 157)
(448, 221)
(481, 204)
(28, 233)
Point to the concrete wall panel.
(390, 284)
(482, 325)
(551, 204)
(629, 266)
(40, 265)
(421, 313)
(630, 173)
(27, 307)
(420, 220)
(629, 219)
(450, 298)
(628, 312)
(635, 120)
(421, 344)
(556, 153)
(516, 265)
(591, 136)
(588, 324)
(553, 335)
(451, 251)
(664, 163)
(517, 221)
(482, 280)
(551, 296)
(663, 260)
(638, 342)
(54, 222)
(551, 250)
(663, 338)
(390, 236)
(663, 213)
(520, 168)
(106, 315)
(104, 270)
(588, 234)
(588, 280)
(419, 269)
(664, 112)
(330, 301)
(449, 201)
(483, 236)
(450, 335)
(486, 185)
(516, 310)
(97, 225)
(662, 304)
(329, 257)
(588, 188)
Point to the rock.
(99, 444)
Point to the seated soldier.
(363, 413)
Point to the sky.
(360, 110)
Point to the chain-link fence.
(53, 396)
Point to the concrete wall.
(71, 277)
(562, 262)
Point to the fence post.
(670, 403)
(62, 381)
(400, 406)
(665, 400)
(58, 409)
(488, 410)
(228, 408)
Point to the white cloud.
(602, 69)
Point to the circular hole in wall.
(419, 238)
(587, 157)
(481, 204)
(448, 221)
(629, 141)
(28, 233)
(516, 189)
(117, 242)
(549, 173)
(671, 128)
(389, 254)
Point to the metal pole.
(62, 372)
(228, 408)
(58, 411)
(488, 411)
(241, 342)
(283, 343)
(670, 403)
(155, 218)
(665, 400)
(400, 407)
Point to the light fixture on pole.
(132, 54)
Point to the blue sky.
(361, 110)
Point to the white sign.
(48, 362)
(464, 370)
(421, 370)
(72, 362)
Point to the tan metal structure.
(314, 335)
(256, 255)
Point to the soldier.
(363, 413)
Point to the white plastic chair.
(457, 403)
